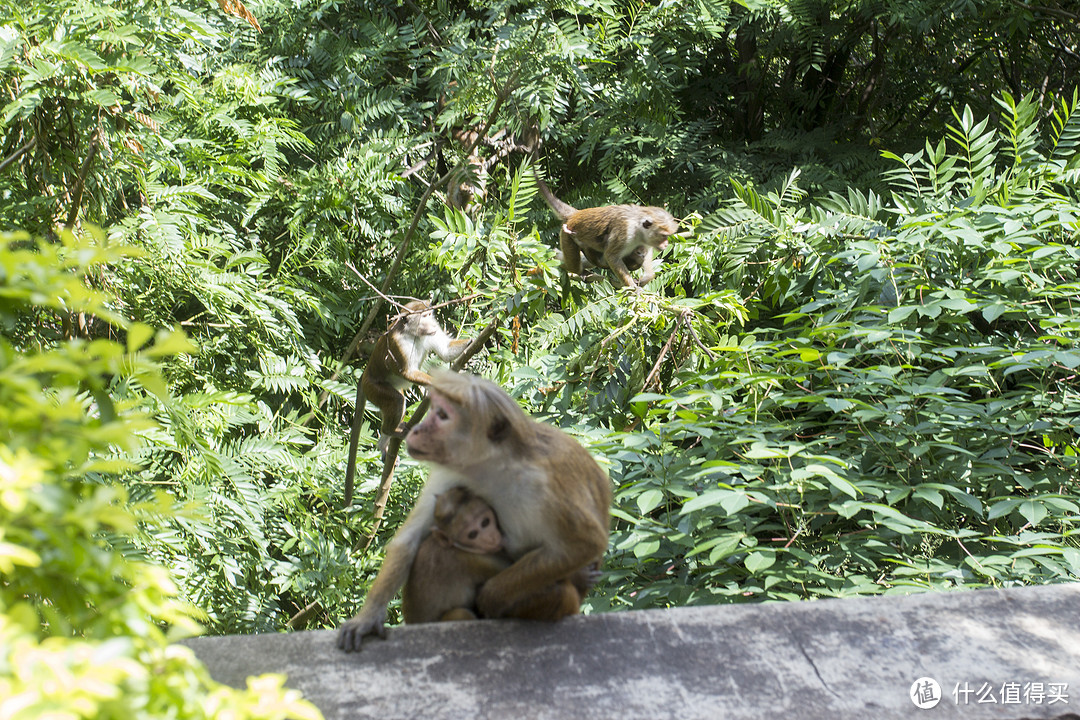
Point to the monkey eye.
(485, 522)
(442, 414)
(473, 534)
(647, 224)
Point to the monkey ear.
(499, 429)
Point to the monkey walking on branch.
(613, 236)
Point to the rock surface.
(822, 660)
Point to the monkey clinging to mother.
(550, 496)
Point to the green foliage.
(854, 375)
(907, 419)
(84, 626)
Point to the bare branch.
(18, 153)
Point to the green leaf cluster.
(901, 410)
(853, 374)
(85, 623)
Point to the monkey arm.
(537, 570)
(647, 272)
(619, 268)
(452, 349)
(400, 554)
(416, 377)
(617, 263)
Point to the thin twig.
(18, 153)
(378, 292)
(660, 358)
(80, 183)
(696, 339)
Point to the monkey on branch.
(551, 497)
(394, 365)
(619, 237)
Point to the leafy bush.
(85, 625)
(825, 391)
(902, 409)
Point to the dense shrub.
(85, 623)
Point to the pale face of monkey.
(475, 529)
(431, 439)
(657, 225)
(423, 323)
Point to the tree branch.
(394, 447)
(18, 153)
(1056, 12)
(80, 184)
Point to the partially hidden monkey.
(613, 236)
(462, 552)
(394, 364)
(551, 498)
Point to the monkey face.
(420, 319)
(466, 522)
(657, 226)
(433, 438)
(480, 531)
(426, 324)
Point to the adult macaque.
(550, 496)
(611, 235)
(394, 364)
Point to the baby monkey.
(614, 236)
(464, 549)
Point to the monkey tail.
(560, 208)
(354, 441)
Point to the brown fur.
(633, 261)
(613, 236)
(551, 498)
(455, 559)
(394, 363)
(461, 553)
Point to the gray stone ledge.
(822, 660)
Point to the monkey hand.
(368, 622)
(491, 602)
